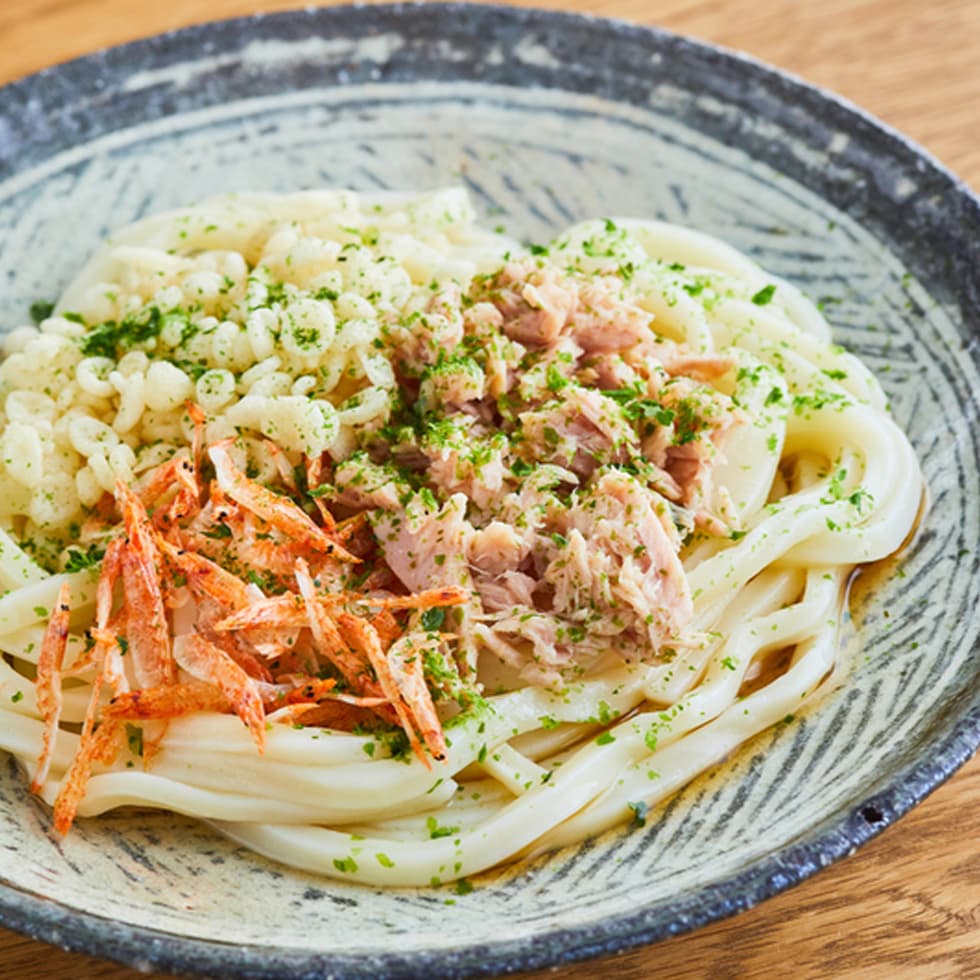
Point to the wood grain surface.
(908, 904)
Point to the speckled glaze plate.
(547, 119)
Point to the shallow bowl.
(547, 119)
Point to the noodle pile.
(396, 550)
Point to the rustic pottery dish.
(547, 119)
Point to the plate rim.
(837, 836)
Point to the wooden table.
(909, 903)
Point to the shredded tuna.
(630, 526)
(497, 548)
(432, 333)
(535, 303)
(582, 431)
(507, 591)
(479, 479)
(425, 547)
(362, 484)
(604, 323)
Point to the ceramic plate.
(547, 119)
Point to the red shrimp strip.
(246, 659)
(298, 710)
(101, 745)
(105, 592)
(363, 637)
(287, 611)
(333, 713)
(176, 700)
(311, 689)
(48, 683)
(187, 502)
(259, 551)
(348, 527)
(207, 578)
(325, 633)
(147, 630)
(170, 701)
(209, 663)
(107, 627)
(299, 690)
(105, 595)
(198, 417)
(180, 471)
(278, 511)
(314, 475)
(387, 626)
(286, 473)
(407, 669)
(290, 611)
(108, 652)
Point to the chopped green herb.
(79, 560)
(256, 579)
(134, 739)
(647, 408)
(435, 831)
(107, 338)
(41, 309)
(432, 619)
(220, 531)
(555, 379)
